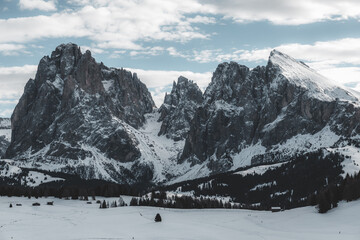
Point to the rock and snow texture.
(73, 116)
(179, 108)
(9, 171)
(34, 179)
(74, 219)
(268, 114)
(5, 135)
(81, 117)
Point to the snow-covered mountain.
(5, 135)
(75, 115)
(179, 108)
(81, 117)
(269, 114)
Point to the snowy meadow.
(75, 219)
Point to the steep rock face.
(266, 107)
(78, 109)
(5, 135)
(179, 108)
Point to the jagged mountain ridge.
(75, 112)
(81, 117)
(179, 108)
(249, 114)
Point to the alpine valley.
(80, 117)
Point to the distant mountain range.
(80, 117)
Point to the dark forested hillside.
(288, 185)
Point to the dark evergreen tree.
(324, 202)
(158, 218)
(134, 202)
(104, 205)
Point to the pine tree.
(103, 205)
(158, 218)
(134, 202)
(324, 202)
(312, 199)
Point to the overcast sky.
(162, 39)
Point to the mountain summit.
(268, 114)
(72, 115)
(81, 117)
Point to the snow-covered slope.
(5, 135)
(268, 115)
(81, 117)
(74, 219)
(9, 171)
(299, 74)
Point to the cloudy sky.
(162, 39)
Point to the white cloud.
(202, 19)
(337, 60)
(37, 4)
(9, 101)
(321, 54)
(117, 54)
(152, 51)
(93, 50)
(11, 49)
(173, 52)
(6, 112)
(13, 80)
(285, 12)
(111, 24)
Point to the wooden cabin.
(275, 209)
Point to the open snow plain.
(75, 219)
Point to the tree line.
(348, 189)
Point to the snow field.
(74, 219)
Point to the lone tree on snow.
(157, 218)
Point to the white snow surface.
(108, 84)
(303, 76)
(159, 151)
(351, 164)
(6, 133)
(34, 179)
(74, 219)
(5, 123)
(300, 143)
(9, 170)
(260, 170)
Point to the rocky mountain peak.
(265, 107)
(77, 109)
(81, 117)
(178, 108)
(282, 68)
(227, 76)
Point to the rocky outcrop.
(77, 109)
(79, 116)
(179, 108)
(5, 135)
(265, 106)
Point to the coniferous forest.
(311, 179)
